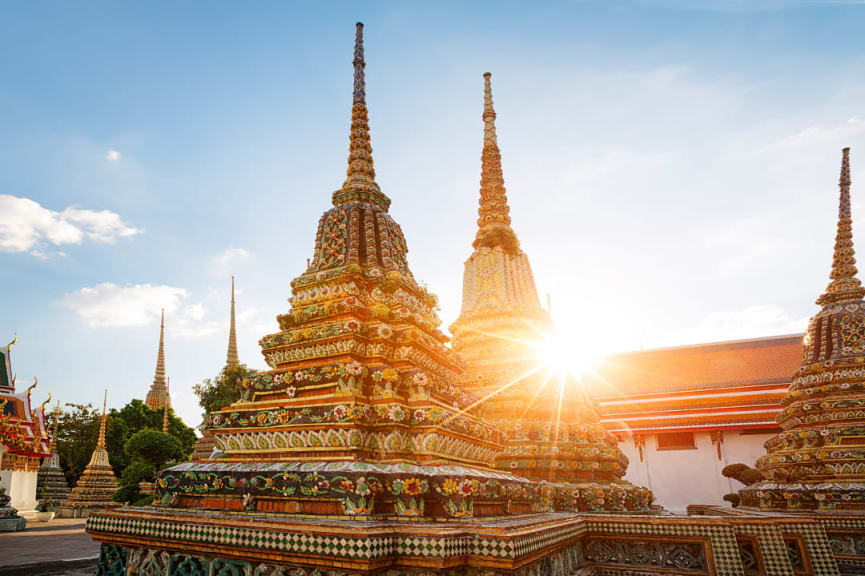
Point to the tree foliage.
(78, 431)
(153, 447)
(148, 451)
(218, 392)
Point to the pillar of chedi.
(554, 430)
(96, 486)
(51, 486)
(818, 461)
(361, 412)
(157, 396)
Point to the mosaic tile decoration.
(722, 546)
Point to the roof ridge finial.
(360, 181)
(844, 285)
(231, 357)
(494, 221)
(100, 444)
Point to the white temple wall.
(21, 488)
(679, 477)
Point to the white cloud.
(226, 262)
(112, 155)
(751, 322)
(110, 305)
(229, 255)
(26, 226)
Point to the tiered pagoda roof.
(22, 430)
(96, 486)
(554, 429)
(735, 385)
(818, 461)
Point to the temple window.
(676, 441)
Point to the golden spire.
(159, 376)
(494, 221)
(231, 358)
(844, 285)
(360, 184)
(157, 394)
(53, 442)
(165, 407)
(100, 444)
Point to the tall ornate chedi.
(96, 486)
(554, 429)
(360, 377)
(157, 396)
(818, 461)
(51, 486)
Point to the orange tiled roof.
(697, 367)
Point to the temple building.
(51, 486)
(371, 447)
(157, 396)
(699, 407)
(96, 486)
(23, 440)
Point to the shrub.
(732, 499)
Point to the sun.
(566, 355)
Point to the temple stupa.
(96, 486)
(157, 396)
(554, 429)
(51, 486)
(818, 461)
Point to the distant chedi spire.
(157, 396)
(231, 357)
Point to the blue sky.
(672, 167)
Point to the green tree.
(216, 393)
(78, 431)
(148, 451)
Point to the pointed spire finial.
(360, 181)
(166, 406)
(100, 444)
(53, 442)
(844, 284)
(156, 396)
(494, 221)
(159, 375)
(231, 357)
(489, 113)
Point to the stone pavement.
(57, 547)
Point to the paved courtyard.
(48, 548)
